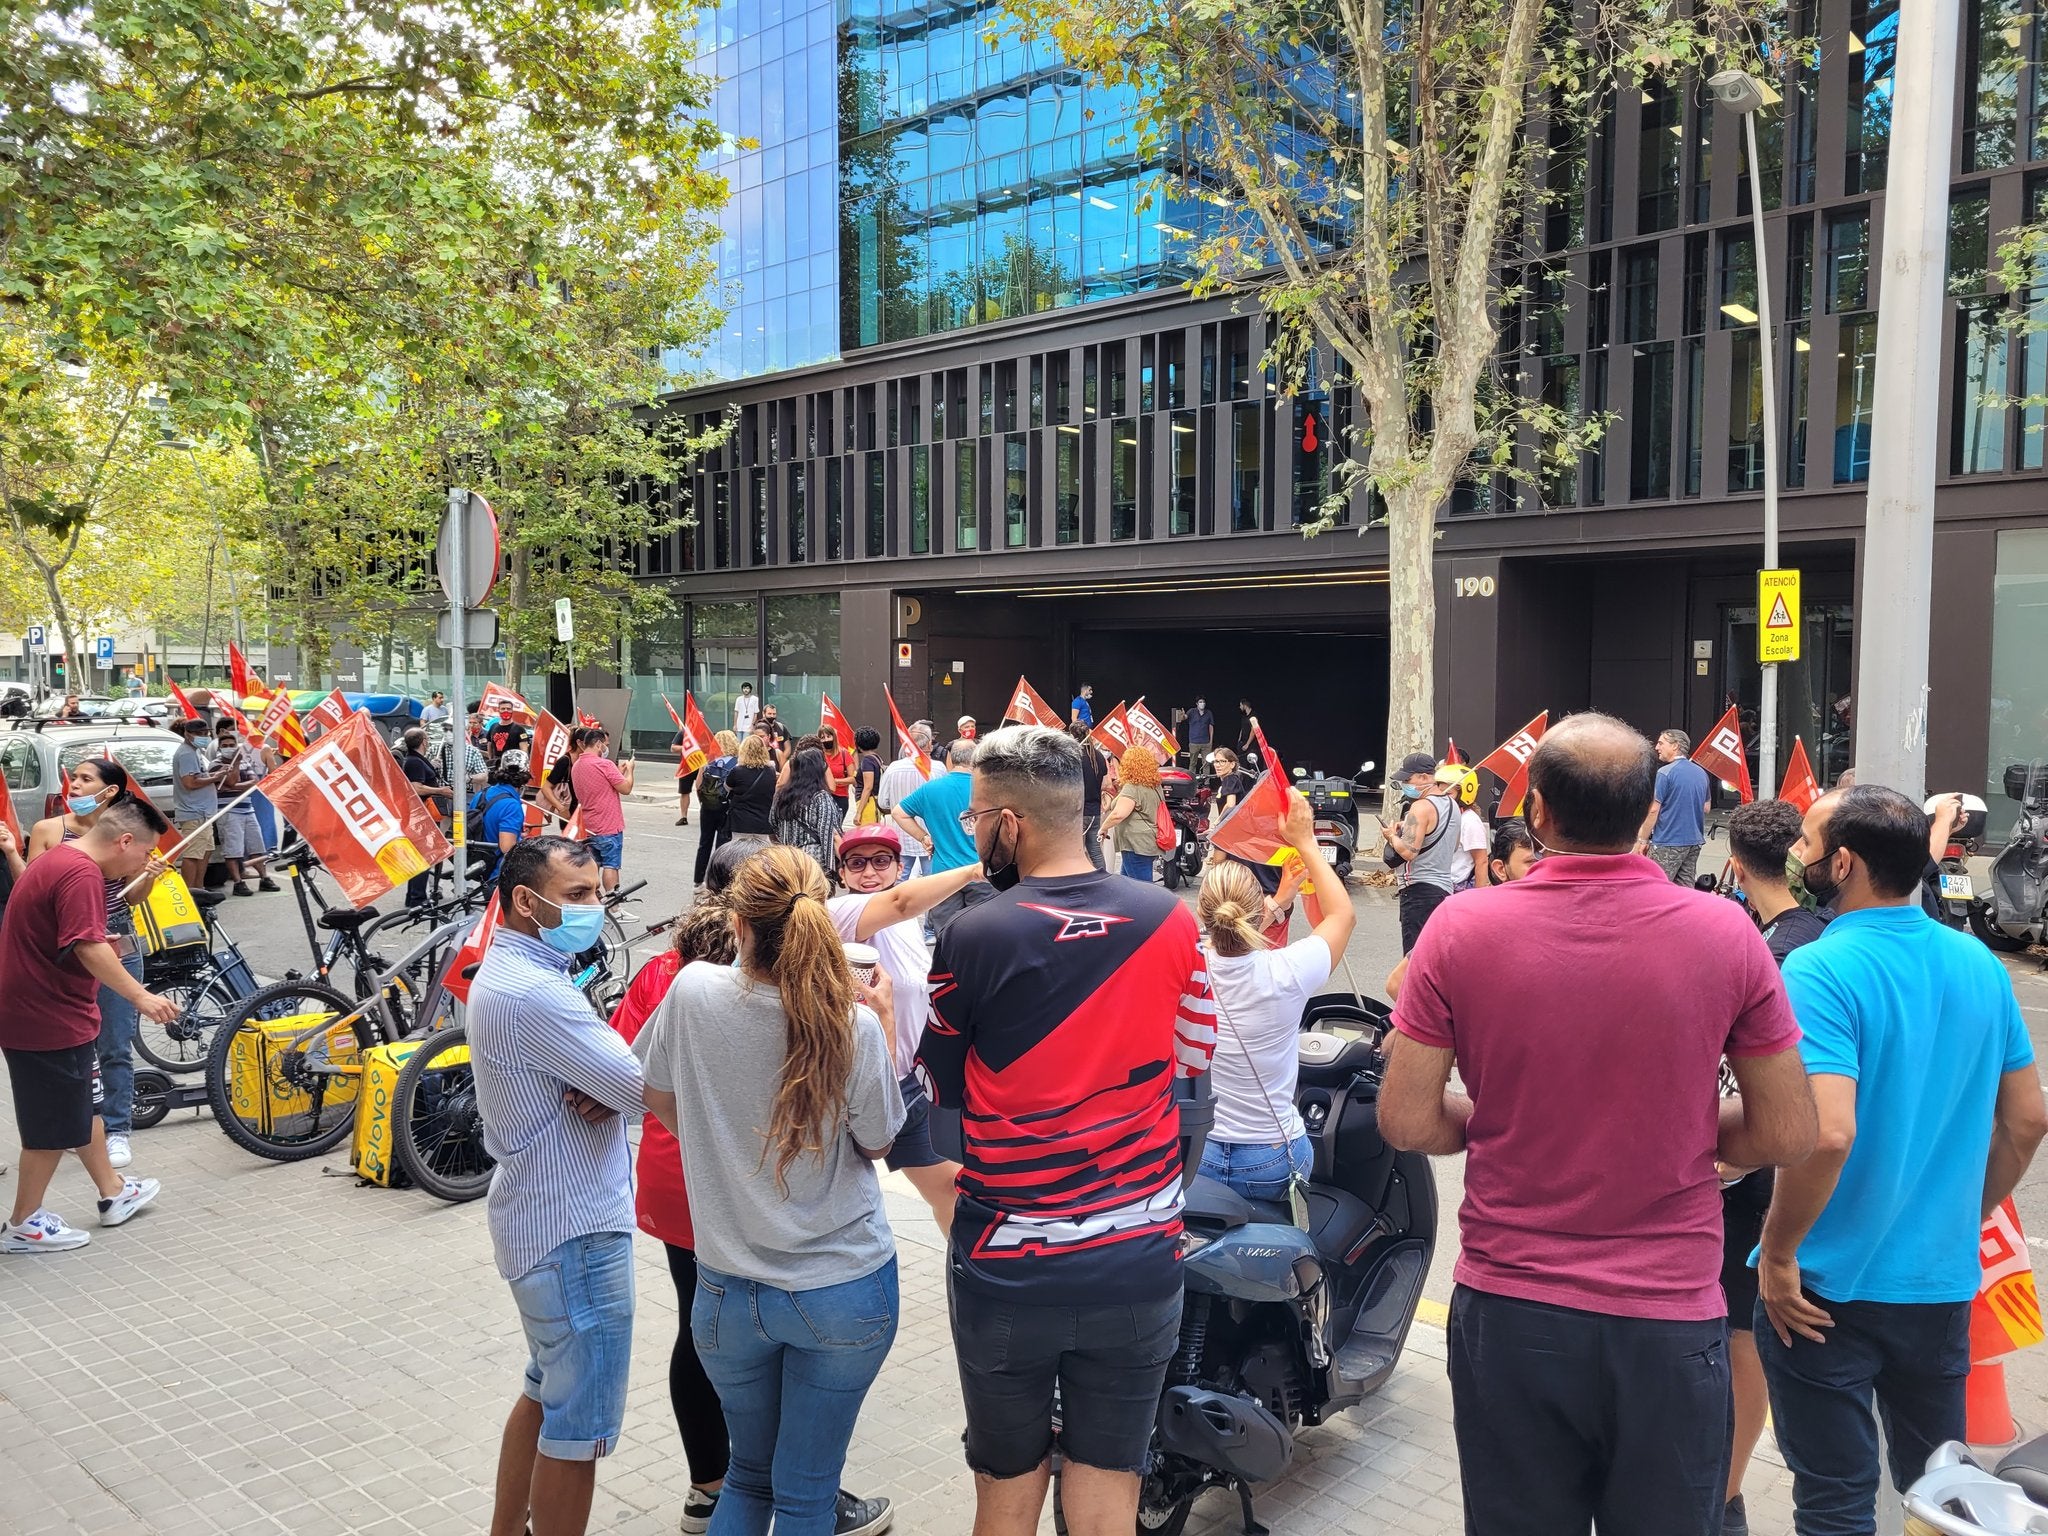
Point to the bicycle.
(208, 982)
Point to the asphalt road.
(269, 931)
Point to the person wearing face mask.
(1930, 1111)
(1062, 1012)
(1201, 729)
(1588, 1335)
(556, 1089)
(1423, 846)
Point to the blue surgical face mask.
(1411, 791)
(578, 930)
(83, 805)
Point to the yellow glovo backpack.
(169, 918)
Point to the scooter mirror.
(1367, 766)
(1301, 773)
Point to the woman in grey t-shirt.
(775, 1076)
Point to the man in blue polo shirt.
(1930, 1110)
(1676, 828)
(930, 816)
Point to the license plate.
(1957, 888)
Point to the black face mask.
(1004, 875)
(1820, 880)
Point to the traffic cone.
(1988, 1417)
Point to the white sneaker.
(135, 1194)
(117, 1151)
(43, 1232)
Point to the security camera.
(1738, 91)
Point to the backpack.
(711, 783)
(1163, 830)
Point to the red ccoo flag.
(1800, 788)
(1028, 707)
(1148, 727)
(1509, 762)
(247, 684)
(506, 705)
(1722, 754)
(905, 742)
(698, 742)
(1451, 754)
(183, 703)
(330, 711)
(348, 799)
(830, 714)
(1252, 829)
(550, 741)
(474, 943)
(1112, 731)
(587, 720)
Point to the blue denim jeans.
(118, 1019)
(1138, 866)
(1913, 1358)
(576, 1309)
(792, 1369)
(1257, 1171)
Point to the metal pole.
(1767, 709)
(1896, 602)
(458, 684)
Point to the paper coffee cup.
(865, 960)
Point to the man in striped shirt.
(557, 1089)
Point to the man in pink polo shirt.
(1587, 1008)
(599, 783)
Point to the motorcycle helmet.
(1460, 780)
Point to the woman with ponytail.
(775, 1076)
(1258, 1145)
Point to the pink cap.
(881, 834)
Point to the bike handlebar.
(623, 892)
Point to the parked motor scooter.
(1288, 1320)
(1334, 802)
(1959, 1495)
(1957, 889)
(1187, 806)
(2013, 913)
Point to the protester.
(1201, 728)
(745, 710)
(72, 709)
(1460, 785)
(55, 958)
(686, 776)
(880, 911)
(774, 1075)
(1258, 1145)
(1247, 731)
(435, 711)
(506, 736)
(931, 816)
(94, 786)
(867, 780)
(1131, 822)
(474, 772)
(1930, 1111)
(1588, 1334)
(1232, 783)
(558, 793)
(1093, 772)
(553, 1085)
(433, 791)
(804, 813)
(1082, 711)
(1063, 1011)
(839, 768)
(240, 833)
(195, 798)
(1424, 846)
(1675, 829)
(770, 725)
(498, 814)
(903, 775)
(750, 790)
(964, 728)
(601, 786)
(1513, 853)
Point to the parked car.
(37, 756)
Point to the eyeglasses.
(969, 818)
(854, 864)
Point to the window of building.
(1599, 297)
(803, 656)
(988, 401)
(1593, 460)
(1745, 412)
(721, 520)
(1208, 365)
(1798, 266)
(1848, 269)
(2019, 639)
(799, 514)
(1564, 214)
(1173, 347)
(1246, 442)
(1088, 384)
(1006, 396)
(1803, 122)
(1559, 482)
(1796, 388)
(1601, 168)
(1694, 360)
(1037, 391)
(1547, 310)
(1649, 422)
(835, 509)
(920, 500)
(1658, 157)
(1180, 517)
(2033, 384)
(1311, 469)
(1237, 349)
(1060, 366)
(1693, 308)
(1996, 36)
(1969, 242)
(878, 505)
(1123, 479)
(1066, 454)
(1016, 491)
(913, 409)
(1705, 116)
(1855, 391)
(725, 651)
(1978, 443)
(1113, 367)
(1738, 281)
(938, 408)
(1146, 399)
(966, 498)
(1639, 294)
(1873, 51)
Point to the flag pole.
(171, 854)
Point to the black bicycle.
(208, 982)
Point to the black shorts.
(1743, 1206)
(1417, 901)
(56, 1096)
(913, 1145)
(1106, 1364)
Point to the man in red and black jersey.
(1062, 1011)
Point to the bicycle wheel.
(440, 1140)
(204, 1002)
(260, 1078)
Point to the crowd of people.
(1724, 1159)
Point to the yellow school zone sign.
(1777, 612)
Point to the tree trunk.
(1411, 628)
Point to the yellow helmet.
(1460, 780)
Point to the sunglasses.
(854, 864)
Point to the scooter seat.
(1214, 1206)
(1339, 1223)
(2026, 1468)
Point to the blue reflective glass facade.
(777, 63)
(982, 183)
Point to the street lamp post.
(1745, 95)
